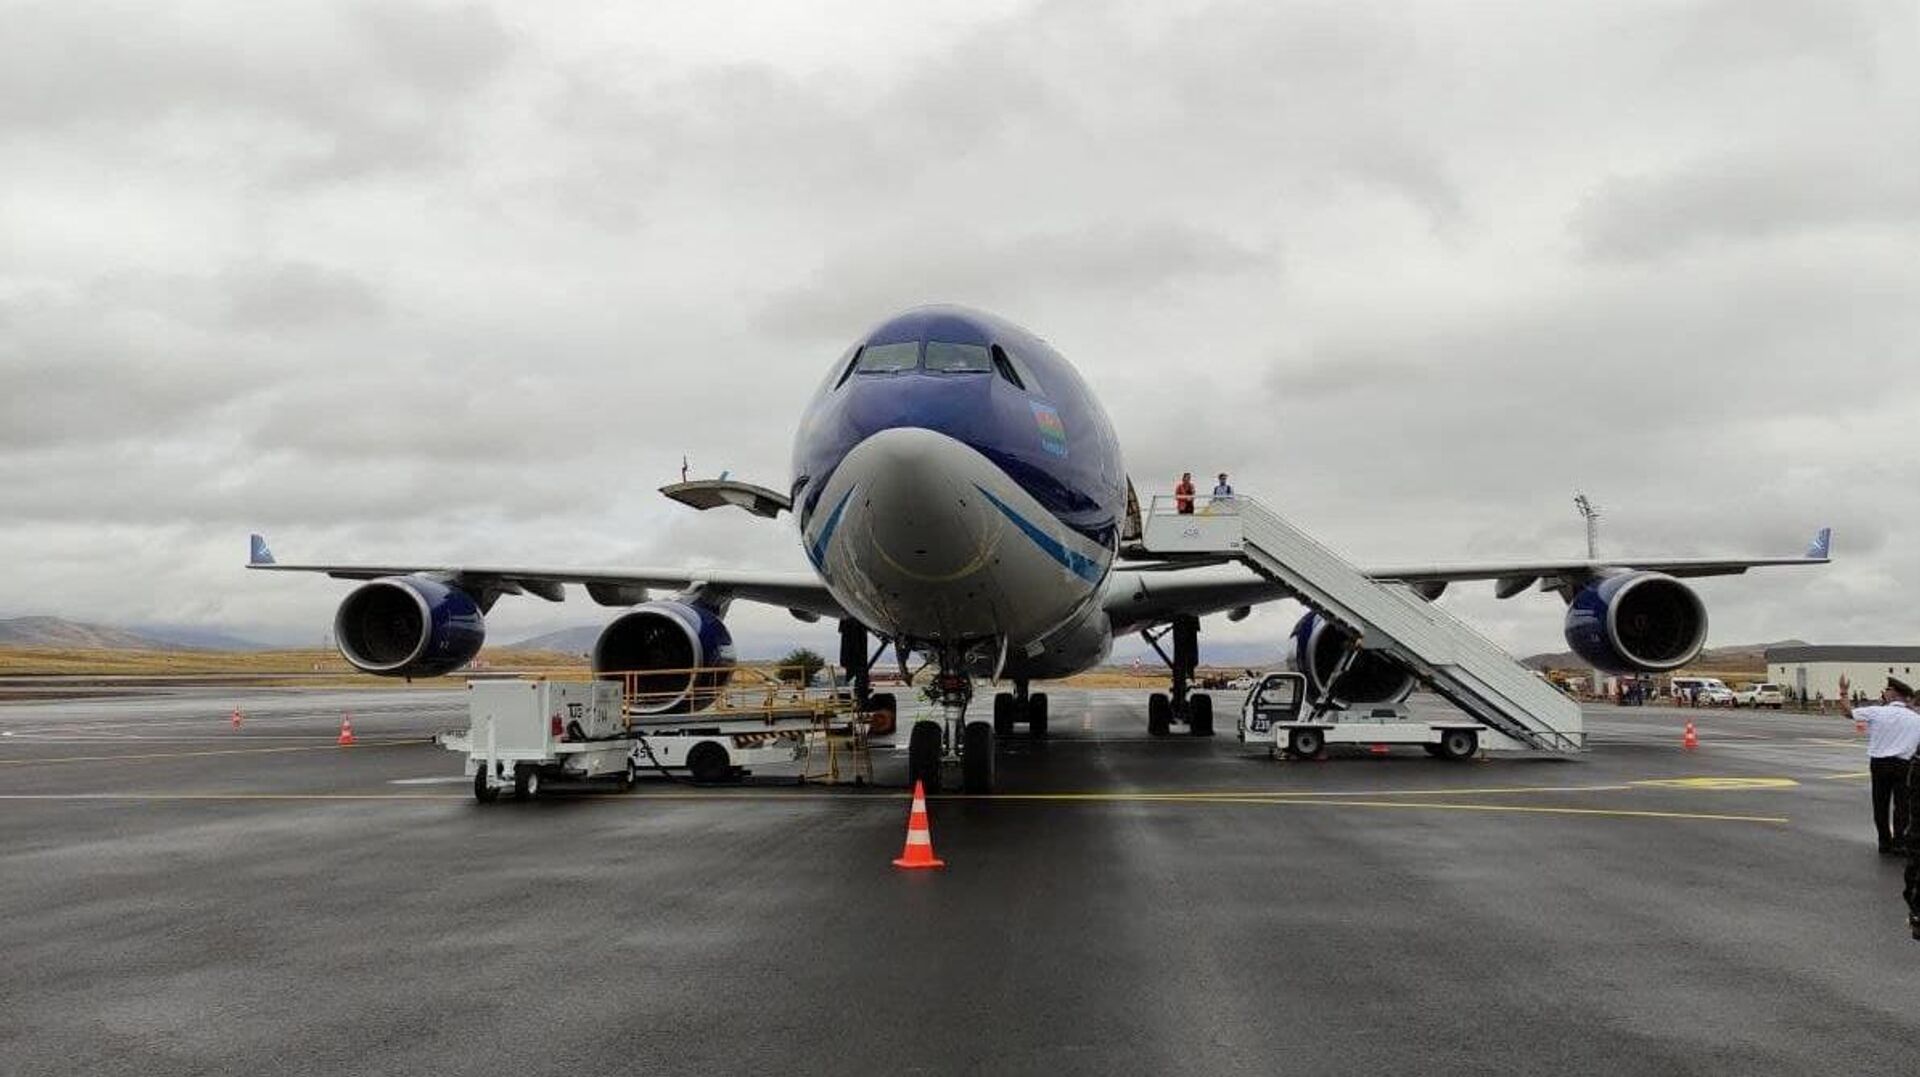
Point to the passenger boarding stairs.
(1443, 653)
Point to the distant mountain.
(195, 638)
(577, 640)
(1736, 657)
(60, 632)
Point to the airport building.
(1817, 671)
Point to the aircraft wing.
(803, 594)
(1156, 593)
(1512, 577)
(1140, 599)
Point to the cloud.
(971, 265)
(443, 281)
(1871, 183)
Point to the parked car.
(1761, 695)
(1716, 695)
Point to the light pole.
(1590, 513)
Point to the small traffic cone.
(1859, 728)
(919, 850)
(236, 717)
(1378, 749)
(1690, 739)
(346, 731)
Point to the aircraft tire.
(1200, 716)
(1037, 716)
(976, 758)
(883, 714)
(1159, 714)
(923, 755)
(1002, 713)
(708, 763)
(1459, 744)
(483, 790)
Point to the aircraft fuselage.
(959, 488)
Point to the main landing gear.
(881, 708)
(1020, 706)
(931, 744)
(1182, 705)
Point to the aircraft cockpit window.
(847, 371)
(1005, 367)
(1022, 373)
(888, 358)
(945, 358)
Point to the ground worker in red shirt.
(1183, 494)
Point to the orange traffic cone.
(919, 850)
(236, 717)
(346, 731)
(1378, 749)
(1690, 739)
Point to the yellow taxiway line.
(135, 757)
(889, 801)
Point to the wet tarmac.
(178, 896)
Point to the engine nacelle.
(675, 656)
(1637, 622)
(408, 626)
(1373, 678)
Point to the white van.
(1708, 691)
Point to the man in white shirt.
(1893, 733)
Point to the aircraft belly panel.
(935, 542)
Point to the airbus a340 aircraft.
(960, 494)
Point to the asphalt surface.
(177, 896)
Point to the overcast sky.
(463, 281)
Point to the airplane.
(961, 496)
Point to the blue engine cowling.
(1637, 622)
(1373, 677)
(673, 656)
(408, 626)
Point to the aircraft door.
(1130, 533)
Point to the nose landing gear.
(933, 744)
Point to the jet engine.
(1637, 622)
(408, 626)
(676, 656)
(1373, 677)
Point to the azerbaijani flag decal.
(1053, 435)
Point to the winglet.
(257, 552)
(1822, 548)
